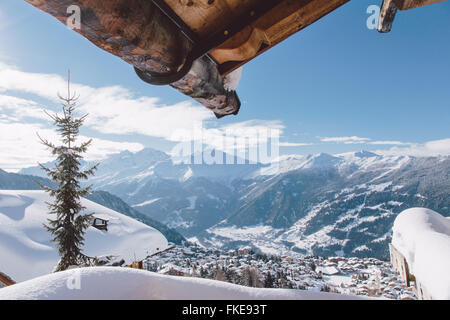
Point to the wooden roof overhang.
(7, 281)
(190, 44)
(193, 44)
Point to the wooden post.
(389, 10)
(387, 16)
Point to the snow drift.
(423, 238)
(27, 252)
(115, 283)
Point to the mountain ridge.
(315, 204)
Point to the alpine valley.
(324, 205)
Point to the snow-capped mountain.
(318, 204)
(26, 250)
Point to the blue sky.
(334, 87)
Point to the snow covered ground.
(115, 283)
(423, 238)
(26, 251)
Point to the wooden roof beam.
(389, 10)
(387, 15)
(284, 20)
(411, 4)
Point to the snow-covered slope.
(27, 252)
(423, 237)
(109, 283)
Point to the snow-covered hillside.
(423, 238)
(112, 283)
(26, 250)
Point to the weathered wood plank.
(400, 264)
(243, 47)
(283, 21)
(5, 280)
(133, 30)
(411, 4)
(387, 16)
(205, 17)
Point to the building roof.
(5, 279)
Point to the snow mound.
(231, 81)
(423, 238)
(27, 252)
(115, 283)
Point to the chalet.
(137, 265)
(174, 272)
(5, 281)
(100, 224)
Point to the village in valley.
(353, 276)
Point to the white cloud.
(428, 149)
(391, 143)
(21, 108)
(431, 148)
(117, 111)
(294, 144)
(346, 140)
(101, 149)
(20, 146)
(43, 85)
(112, 110)
(359, 140)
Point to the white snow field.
(423, 237)
(115, 283)
(26, 251)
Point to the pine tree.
(220, 275)
(69, 226)
(268, 281)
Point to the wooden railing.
(400, 264)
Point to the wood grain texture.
(206, 17)
(387, 15)
(280, 23)
(411, 4)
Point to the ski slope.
(26, 251)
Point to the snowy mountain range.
(318, 204)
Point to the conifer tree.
(268, 281)
(68, 226)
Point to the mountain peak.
(321, 160)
